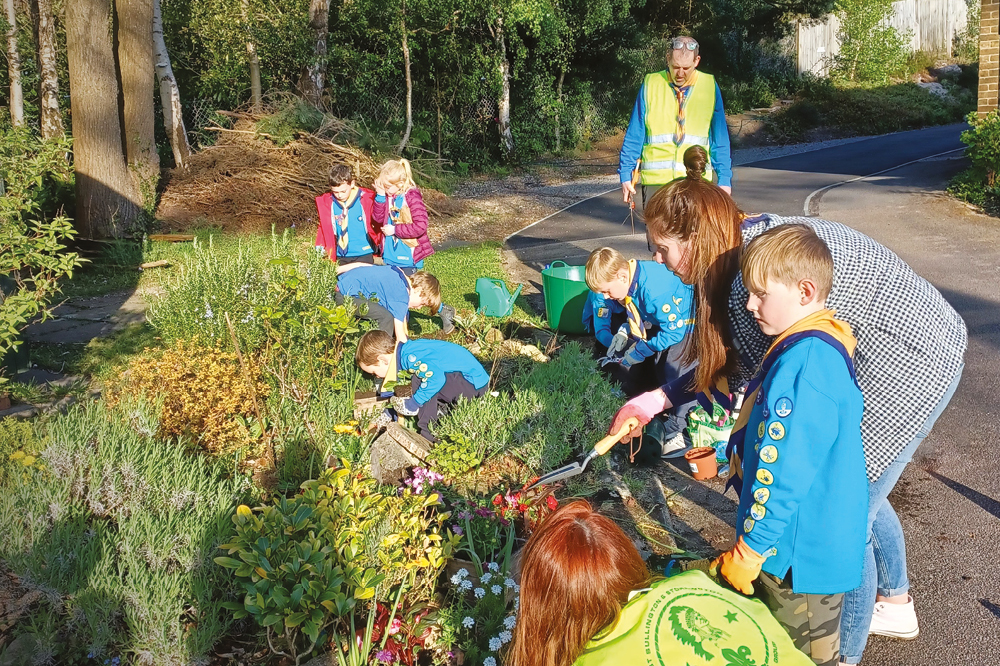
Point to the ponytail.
(398, 172)
(695, 161)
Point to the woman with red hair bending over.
(588, 599)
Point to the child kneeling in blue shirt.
(442, 371)
(796, 448)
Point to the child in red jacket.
(401, 216)
(345, 229)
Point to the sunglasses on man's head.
(679, 44)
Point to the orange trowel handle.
(605, 444)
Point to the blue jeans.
(884, 570)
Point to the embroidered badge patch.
(783, 407)
(761, 429)
(666, 307)
(757, 512)
(765, 476)
(748, 525)
(602, 313)
(672, 317)
(776, 430)
(761, 495)
(423, 367)
(412, 358)
(769, 454)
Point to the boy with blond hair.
(796, 449)
(389, 295)
(646, 350)
(443, 372)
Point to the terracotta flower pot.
(702, 462)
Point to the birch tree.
(256, 92)
(170, 96)
(314, 80)
(48, 86)
(107, 203)
(135, 55)
(14, 67)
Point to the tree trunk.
(409, 86)
(256, 93)
(51, 118)
(314, 80)
(559, 86)
(14, 67)
(106, 200)
(135, 58)
(170, 96)
(506, 135)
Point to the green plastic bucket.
(565, 291)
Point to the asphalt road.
(949, 497)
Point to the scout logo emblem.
(602, 313)
(765, 477)
(412, 358)
(757, 512)
(783, 407)
(769, 453)
(776, 431)
(761, 495)
(666, 307)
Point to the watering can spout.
(494, 299)
(513, 297)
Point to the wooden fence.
(932, 25)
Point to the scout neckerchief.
(401, 215)
(392, 373)
(821, 325)
(340, 221)
(681, 93)
(631, 310)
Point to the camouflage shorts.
(812, 620)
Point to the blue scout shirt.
(358, 243)
(431, 360)
(665, 304)
(385, 284)
(804, 502)
(597, 313)
(394, 251)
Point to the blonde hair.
(398, 172)
(372, 345)
(429, 288)
(787, 254)
(602, 267)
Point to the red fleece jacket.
(326, 235)
(417, 229)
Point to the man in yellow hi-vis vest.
(676, 108)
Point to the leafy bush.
(118, 531)
(208, 397)
(305, 563)
(979, 184)
(33, 255)
(871, 50)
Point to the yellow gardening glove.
(740, 566)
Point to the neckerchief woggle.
(340, 221)
(631, 310)
(820, 325)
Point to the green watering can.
(494, 299)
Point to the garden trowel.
(602, 447)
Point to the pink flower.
(396, 625)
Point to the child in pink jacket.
(400, 215)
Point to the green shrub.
(979, 184)
(119, 530)
(305, 563)
(871, 50)
(17, 436)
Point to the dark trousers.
(360, 259)
(370, 310)
(455, 386)
(811, 620)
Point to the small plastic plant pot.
(702, 462)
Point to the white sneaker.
(675, 447)
(895, 620)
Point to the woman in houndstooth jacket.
(907, 370)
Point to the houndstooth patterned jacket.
(911, 342)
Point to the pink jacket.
(417, 229)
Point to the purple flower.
(385, 656)
(457, 530)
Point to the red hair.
(576, 574)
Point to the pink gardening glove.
(643, 407)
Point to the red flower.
(522, 507)
(497, 499)
(552, 502)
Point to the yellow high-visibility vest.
(662, 159)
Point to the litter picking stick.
(600, 449)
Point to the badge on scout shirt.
(757, 512)
(602, 313)
(666, 308)
(769, 453)
(765, 476)
(761, 495)
(776, 431)
(760, 429)
(748, 525)
(783, 407)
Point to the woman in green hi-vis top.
(587, 599)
